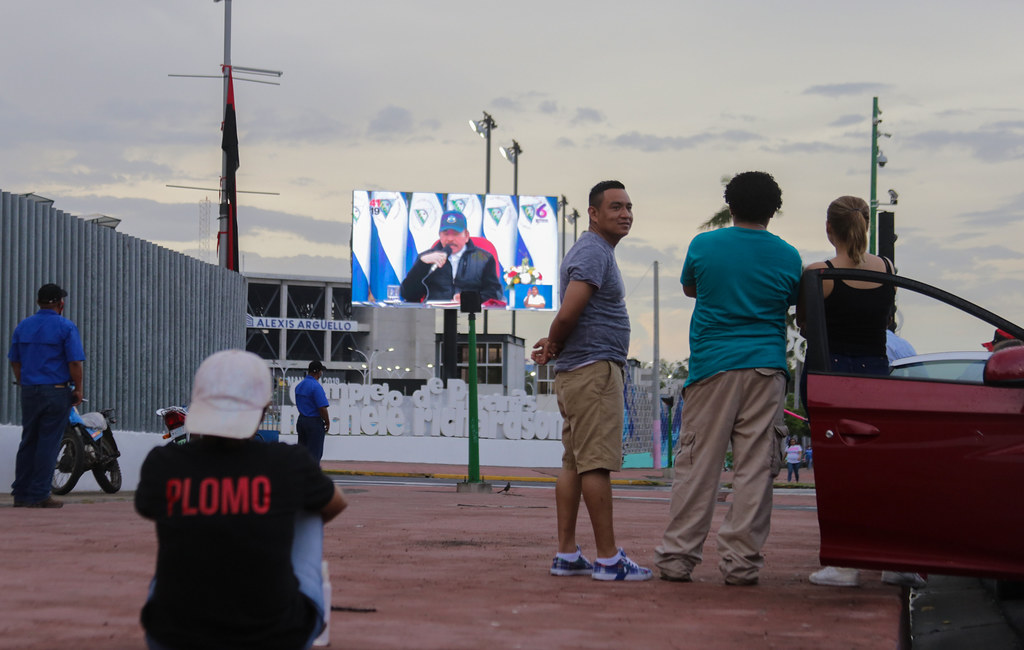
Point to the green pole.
(874, 174)
(474, 420)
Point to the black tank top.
(856, 319)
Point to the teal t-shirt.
(746, 281)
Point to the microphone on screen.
(447, 250)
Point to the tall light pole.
(451, 317)
(575, 217)
(511, 154)
(878, 159)
(483, 128)
(563, 204)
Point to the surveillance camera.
(882, 159)
(893, 196)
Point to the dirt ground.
(422, 566)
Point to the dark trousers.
(311, 434)
(44, 417)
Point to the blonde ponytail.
(848, 218)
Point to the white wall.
(400, 449)
(133, 447)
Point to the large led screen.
(423, 248)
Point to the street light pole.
(484, 128)
(563, 203)
(511, 154)
(368, 375)
(874, 173)
(878, 159)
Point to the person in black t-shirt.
(232, 517)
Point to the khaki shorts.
(590, 400)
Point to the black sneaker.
(48, 502)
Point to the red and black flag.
(229, 203)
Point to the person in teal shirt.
(744, 279)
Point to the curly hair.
(848, 217)
(753, 197)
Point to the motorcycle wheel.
(108, 476)
(70, 462)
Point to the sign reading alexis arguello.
(267, 323)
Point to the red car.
(919, 474)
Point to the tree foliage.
(722, 218)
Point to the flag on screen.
(229, 204)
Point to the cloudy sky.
(666, 96)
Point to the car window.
(932, 326)
(970, 371)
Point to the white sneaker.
(913, 580)
(832, 576)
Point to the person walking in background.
(589, 337)
(311, 402)
(794, 456)
(744, 279)
(46, 356)
(857, 316)
(239, 523)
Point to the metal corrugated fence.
(147, 315)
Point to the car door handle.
(853, 432)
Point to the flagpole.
(223, 243)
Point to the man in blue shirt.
(311, 400)
(744, 279)
(46, 356)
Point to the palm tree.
(723, 217)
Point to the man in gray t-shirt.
(602, 331)
(589, 337)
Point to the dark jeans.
(44, 417)
(794, 469)
(311, 434)
(851, 365)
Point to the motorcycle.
(88, 444)
(174, 420)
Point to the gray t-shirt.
(602, 332)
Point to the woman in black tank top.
(856, 312)
(856, 316)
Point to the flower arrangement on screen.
(523, 274)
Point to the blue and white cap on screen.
(453, 220)
(229, 393)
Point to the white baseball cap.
(230, 391)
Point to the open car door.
(917, 473)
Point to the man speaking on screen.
(453, 265)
